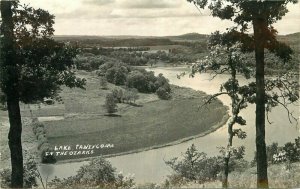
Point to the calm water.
(149, 166)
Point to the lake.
(149, 166)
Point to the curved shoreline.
(183, 140)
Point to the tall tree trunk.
(10, 87)
(227, 155)
(15, 144)
(260, 28)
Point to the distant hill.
(291, 39)
(116, 41)
(294, 35)
(189, 37)
(132, 40)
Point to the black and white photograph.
(154, 94)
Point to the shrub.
(130, 95)
(40, 131)
(162, 81)
(110, 74)
(43, 145)
(163, 93)
(5, 175)
(137, 80)
(292, 151)
(41, 141)
(118, 95)
(117, 75)
(98, 173)
(278, 154)
(89, 62)
(35, 125)
(272, 150)
(103, 68)
(47, 158)
(196, 166)
(30, 174)
(103, 83)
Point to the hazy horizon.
(84, 35)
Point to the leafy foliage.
(110, 103)
(103, 83)
(98, 173)
(44, 146)
(289, 152)
(31, 173)
(43, 65)
(196, 166)
(163, 93)
(261, 15)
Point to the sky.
(142, 17)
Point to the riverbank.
(152, 124)
(186, 139)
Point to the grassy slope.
(155, 123)
(279, 177)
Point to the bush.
(40, 131)
(163, 93)
(35, 125)
(137, 80)
(89, 62)
(279, 154)
(41, 142)
(118, 95)
(47, 158)
(130, 95)
(272, 150)
(110, 74)
(30, 174)
(110, 103)
(43, 145)
(292, 150)
(120, 76)
(103, 83)
(98, 173)
(196, 166)
(117, 74)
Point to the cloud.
(98, 2)
(141, 17)
(148, 4)
(154, 13)
(102, 9)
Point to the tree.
(33, 66)
(261, 15)
(138, 80)
(110, 103)
(233, 62)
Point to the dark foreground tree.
(261, 15)
(33, 66)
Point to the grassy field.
(152, 123)
(155, 122)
